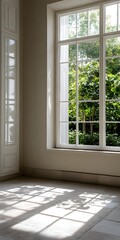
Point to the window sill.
(58, 149)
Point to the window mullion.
(58, 96)
(102, 127)
(58, 82)
(77, 108)
(7, 59)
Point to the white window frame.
(102, 36)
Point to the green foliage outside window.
(88, 89)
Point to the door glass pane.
(11, 133)
(11, 113)
(6, 132)
(6, 46)
(12, 47)
(11, 89)
(12, 68)
(6, 113)
(6, 66)
(6, 88)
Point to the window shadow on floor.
(40, 209)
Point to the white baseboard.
(9, 177)
(99, 179)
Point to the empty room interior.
(59, 120)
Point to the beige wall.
(35, 151)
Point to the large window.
(88, 78)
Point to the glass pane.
(93, 16)
(112, 111)
(72, 111)
(68, 27)
(119, 16)
(6, 137)
(11, 62)
(6, 67)
(68, 111)
(88, 134)
(111, 18)
(6, 46)
(64, 53)
(11, 68)
(82, 24)
(113, 134)
(72, 133)
(68, 53)
(64, 130)
(11, 48)
(88, 81)
(64, 79)
(11, 113)
(113, 78)
(88, 50)
(11, 102)
(11, 89)
(89, 111)
(72, 87)
(72, 82)
(6, 90)
(63, 111)
(72, 52)
(88, 23)
(6, 113)
(11, 133)
(67, 82)
(113, 47)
